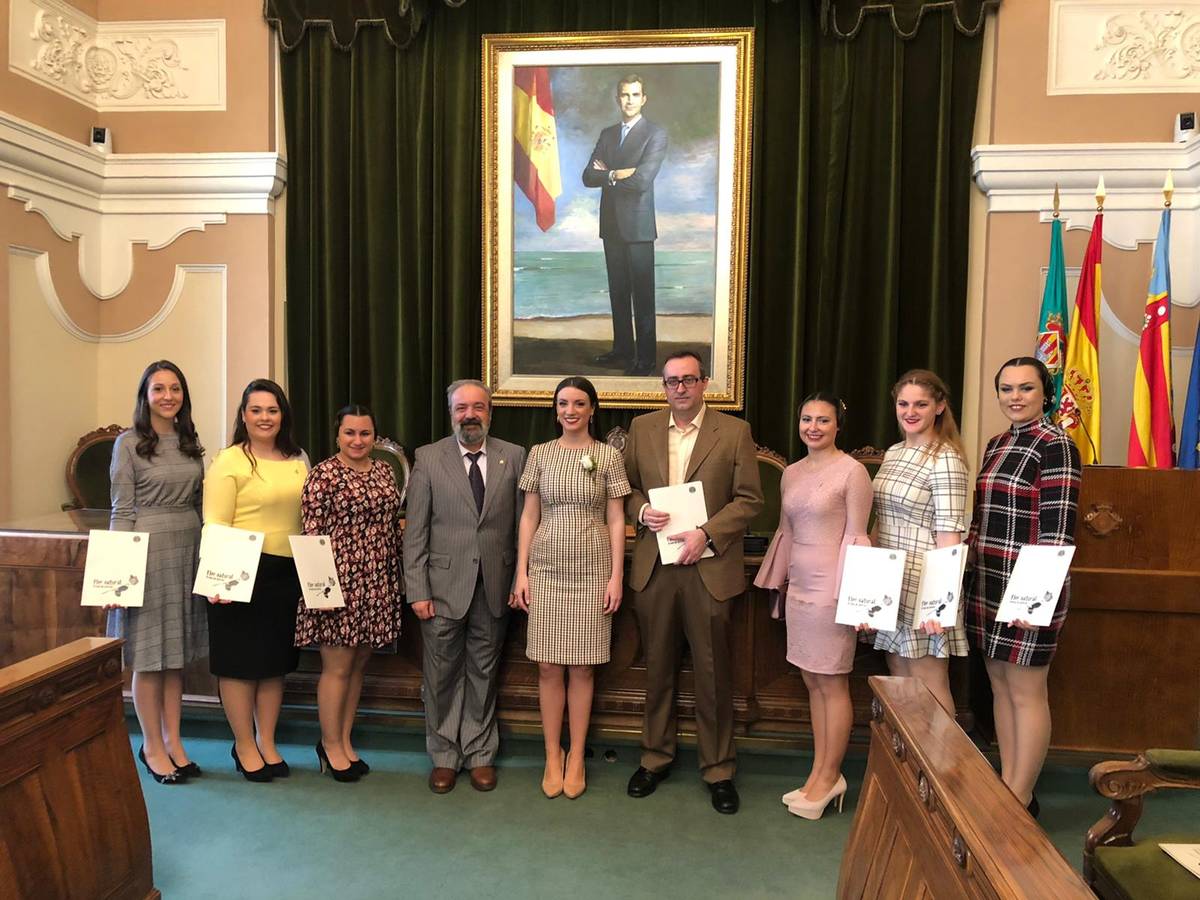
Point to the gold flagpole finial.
(1168, 189)
(1100, 194)
(1056, 200)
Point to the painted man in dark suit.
(623, 165)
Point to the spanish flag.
(1152, 427)
(1079, 408)
(535, 141)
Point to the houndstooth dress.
(915, 496)
(570, 560)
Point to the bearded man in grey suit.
(459, 555)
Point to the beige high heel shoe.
(814, 808)
(575, 783)
(552, 779)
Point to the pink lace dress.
(824, 509)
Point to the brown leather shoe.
(441, 780)
(483, 778)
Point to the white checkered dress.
(915, 496)
(570, 560)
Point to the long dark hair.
(284, 442)
(579, 383)
(189, 444)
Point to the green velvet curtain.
(860, 183)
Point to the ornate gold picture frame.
(616, 184)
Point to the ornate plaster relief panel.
(1105, 47)
(127, 66)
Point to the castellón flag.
(1052, 322)
(1152, 427)
(1079, 408)
(535, 141)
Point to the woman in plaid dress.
(570, 567)
(920, 503)
(1026, 493)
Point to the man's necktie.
(624, 131)
(475, 476)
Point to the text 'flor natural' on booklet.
(228, 562)
(319, 583)
(870, 591)
(1035, 584)
(940, 590)
(114, 573)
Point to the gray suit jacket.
(447, 543)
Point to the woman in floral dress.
(353, 499)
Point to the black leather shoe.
(643, 782)
(724, 797)
(642, 370)
(280, 769)
(612, 359)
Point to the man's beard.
(470, 431)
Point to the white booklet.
(228, 562)
(870, 592)
(686, 506)
(1035, 584)
(1187, 855)
(115, 570)
(940, 591)
(318, 573)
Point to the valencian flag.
(1052, 323)
(535, 141)
(1189, 435)
(1079, 408)
(1152, 426)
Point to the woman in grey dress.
(157, 473)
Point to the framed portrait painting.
(615, 211)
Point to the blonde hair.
(945, 428)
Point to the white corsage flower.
(588, 463)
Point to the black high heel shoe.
(172, 777)
(1034, 807)
(279, 769)
(191, 770)
(259, 776)
(344, 775)
(360, 766)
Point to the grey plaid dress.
(570, 560)
(160, 495)
(915, 496)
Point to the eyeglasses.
(688, 381)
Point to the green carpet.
(388, 836)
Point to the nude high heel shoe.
(575, 783)
(792, 796)
(814, 808)
(552, 779)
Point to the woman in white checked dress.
(920, 503)
(570, 560)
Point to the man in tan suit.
(689, 442)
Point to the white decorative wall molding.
(1021, 178)
(127, 66)
(1107, 47)
(112, 202)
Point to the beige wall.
(226, 326)
(1010, 250)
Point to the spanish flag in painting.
(1079, 408)
(1152, 427)
(535, 141)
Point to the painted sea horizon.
(568, 284)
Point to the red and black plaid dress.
(1026, 493)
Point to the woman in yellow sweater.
(255, 484)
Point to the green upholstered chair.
(1117, 866)
(393, 454)
(88, 467)
(770, 473)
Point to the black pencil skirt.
(258, 639)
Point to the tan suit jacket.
(724, 460)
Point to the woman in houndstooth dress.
(570, 559)
(920, 503)
(1027, 493)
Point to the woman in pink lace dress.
(826, 504)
